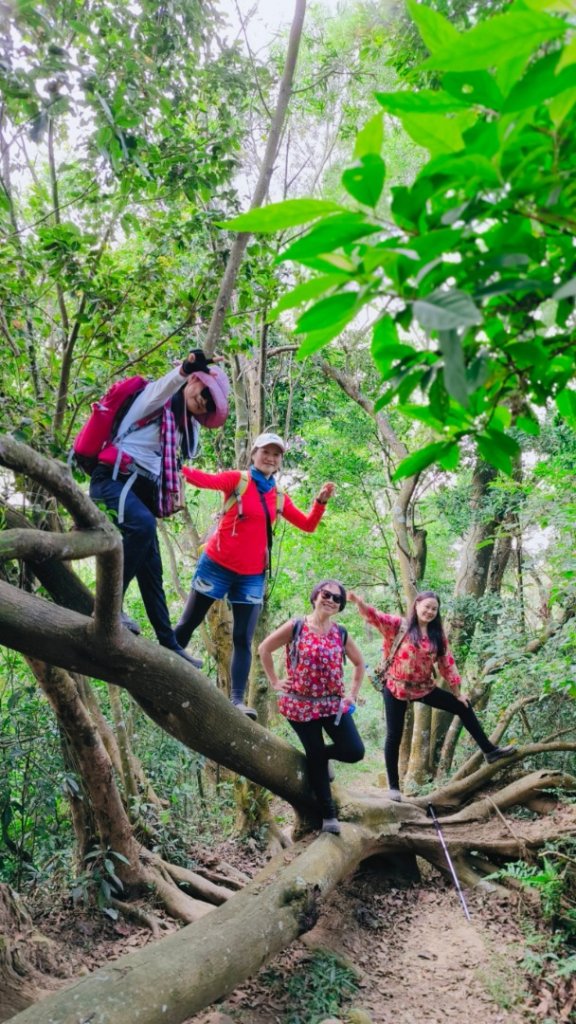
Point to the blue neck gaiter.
(263, 483)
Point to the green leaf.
(566, 403)
(426, 101)
(567, 55)
(421, 459)
(476, 86)
(366, 181)
(501, 418)
(317, 339)
(119, 856)
(326, 312)
(466, 167)
(566, 290)
(561, 105)
(436, 31)
(446, 311)
(303, 292)
(450, 460)
(277, 216)
(423, 414)
(341, 229)
(540, 83)
(528, 426)
(433, 131)
(492, 454)
(385, 339)
(497, 41)
(370, 138)
(510, 284)
(437, 243)
(454, 368)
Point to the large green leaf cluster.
(472, 279)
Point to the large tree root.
(26, 973)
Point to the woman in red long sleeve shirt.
(235, 558)
(423, 645)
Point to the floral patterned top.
(318, 674)
(410, 674)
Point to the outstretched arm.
(385, 624)
(225, 481)
(308, 521)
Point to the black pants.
(346, 746)
(140, 542)
(245, 617)
(396, 711)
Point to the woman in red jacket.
(235, 559)
(418, 644)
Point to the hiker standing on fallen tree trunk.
(236, 556)
(411, 649)
(311, 695)
(137, 473)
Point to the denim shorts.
(216, 581)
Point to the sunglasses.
(329, 596)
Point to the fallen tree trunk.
(182, 974)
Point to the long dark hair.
(435, 629)
(181, 414)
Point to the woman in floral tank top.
(422, 646)
(312, 693)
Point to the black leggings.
(346, 746)
(395, 714)
(245, 617)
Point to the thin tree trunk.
(262, 185)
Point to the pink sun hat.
(219, 387)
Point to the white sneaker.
(393, 794)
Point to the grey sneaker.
(331, 772)
(331, 825)
(393, 794)
(250, 712)
(498, 753)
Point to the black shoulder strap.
(343, 639)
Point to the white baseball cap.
(263, 439)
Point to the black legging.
(245, 617)
(346, 746)
(395, 714)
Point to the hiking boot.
(331, 772)
(498, 753)
(130, 624)
(250, 712)
(331, 825)
(393, 794)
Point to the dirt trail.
(419, 961)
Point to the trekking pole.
(449, 860)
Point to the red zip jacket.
(240, 543)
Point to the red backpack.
(95, 438)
